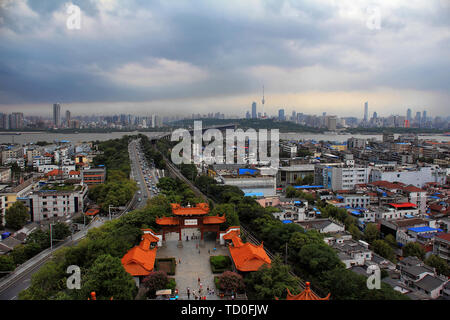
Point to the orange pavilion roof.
(140, 260)
(214, 219)
(247, 256)
(167, 221)
(232, 234)
(199, 209)
(307, 294)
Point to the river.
(28, 137)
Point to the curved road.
(10, 289)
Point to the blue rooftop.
(424, 229)
(308, 187)
(254, 194)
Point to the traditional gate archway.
(190, 217)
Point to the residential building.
(441, 247)
(340, 177)
(57, 201)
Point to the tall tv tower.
(262, 111)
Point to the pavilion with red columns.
(190, 217)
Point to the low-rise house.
(323, 225)
(397, 211)
(353, 253)
(430, 285)
(8, 244)
(441, 246)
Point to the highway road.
(144, 173)
(9, 290)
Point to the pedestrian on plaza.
(188, 292)
(198, 280)
(209, 251)
(179, 260)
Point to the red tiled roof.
(140, 260)
(167, 221)
(54, 172)
(232, 234)
(307, 294)
(403, 205)
(412, 188)
(74, 173)
(199, 209)
(214, 219)
(247, 256)
(387, 184)
(444, 236)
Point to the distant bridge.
(223, 127)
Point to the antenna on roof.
(263, 101)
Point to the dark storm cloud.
(229, 46)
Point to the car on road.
(139, 199)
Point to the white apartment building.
(354, 200)
(45, 204)
(340, 177)
(394, 211)
(409, 175)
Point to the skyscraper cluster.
(11, 121)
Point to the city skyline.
(309, 56)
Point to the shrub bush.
(220, 264)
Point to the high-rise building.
(68, 118)
(281, 114)
(424, 116)
(57, 115)
(366, 111)
(16, 120)
(254, 115)
(331, 122)
(247, 115)
(418, 118)
(4, 121)
(409, 115)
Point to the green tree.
(318, 258)
(108, 279)
(17, 216)
(268, 283)
(439, 264)
(382, 248)
(371, 232)
(355, 232)
(413, 249)
(391, 240)
(229, 212)
(6, 264)
(291, 192)
(39, 237)
(60, 231)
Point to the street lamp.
(51, 239)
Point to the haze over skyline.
(188, 57)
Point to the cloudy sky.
(185, 56)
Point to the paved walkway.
(193, 264)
